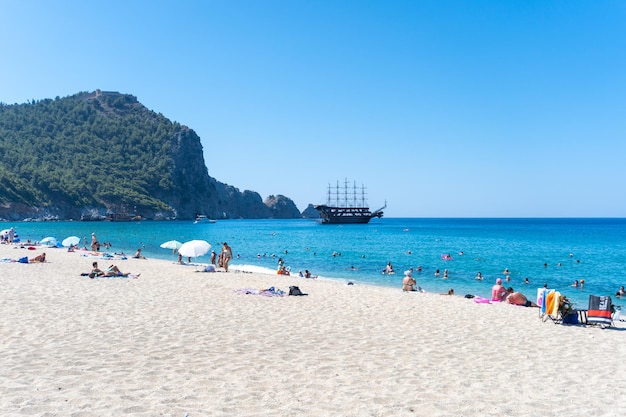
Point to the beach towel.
(542, 299)
(134, 276)
(553, 301)
(270, 292)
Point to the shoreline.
(177, 341)
(602, 274)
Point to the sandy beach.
(178, 342)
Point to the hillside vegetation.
(99, 152)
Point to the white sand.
(176, 342)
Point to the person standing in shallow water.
(227, 255)
(94, 243)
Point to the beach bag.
(293, 290)
(23, 260)
(570, 318)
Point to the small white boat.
(203, 219)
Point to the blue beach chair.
(600, 310)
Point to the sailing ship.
(123, 217)
(119, 213)
(347, 205)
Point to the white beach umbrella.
(71, 241)
(171, 244)
(194, 248)
(50, 241)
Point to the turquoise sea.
(551, 251)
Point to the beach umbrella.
(194, 248)
(171, 244)
(50, 241)
(71, 241)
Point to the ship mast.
(363, 203)
(328, 199)
(343, 196)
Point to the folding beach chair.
(551, 306)
(556, 307)
(600, 310)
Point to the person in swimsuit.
(95, 271)
(227, 255)
(519, 299)
(39, 258)
(408, 283)
(95, 246)
(114, 271)
(498, 292)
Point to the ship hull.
(346, 215)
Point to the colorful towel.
(270, 292)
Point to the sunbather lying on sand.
(519, 299)
(112, 271)
(39, 258)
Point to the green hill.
(95, 153)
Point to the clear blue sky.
(442, 108)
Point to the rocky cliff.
(310, 213)
(93, 154)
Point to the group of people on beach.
(96, 244)
(499, 293)
(508, 295)
(8, 236)
(221, 261)
(111, 271)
